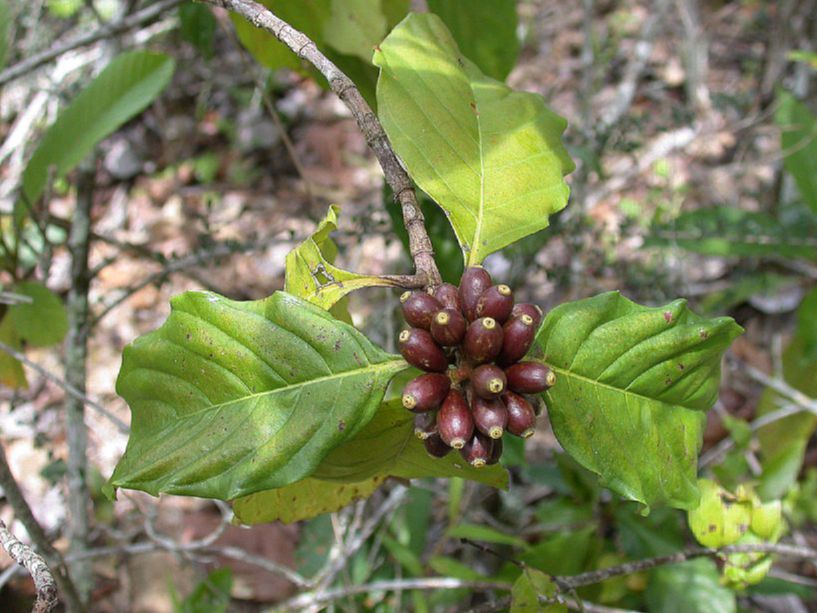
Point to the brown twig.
(67, 387)
(628, 568)
(419, 244)
(36, 567)
(34, 61)
(23, 513)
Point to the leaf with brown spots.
(633, 384)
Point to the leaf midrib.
(607, 386)
(391, 363)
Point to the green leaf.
(303, 499)
(724, 231)
(356, 27)
(126, 87)
(43, 321)
(311, 275)
(198, 26)
(353, 470)
(308, 16)
(798, 141)
(449, 567)
(484, 30)
(404, 556)
(720, 519)
(12, 374)
(491, 157)
(526, 591)
(443, 239)
(387, 445)
(783, 442)
(210, 596)
(565, 553)
(690, 586)
(230, 398)
(633, 386)
(475, 532)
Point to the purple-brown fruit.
(496, 302)
(531, 310)
(496, 452)
(521, 415)
(426, 392)
(454, 421)
(490, 416)
(517, 337)
(448, 327)
(436, 447)
(475, 280)
(425, 424)
(449, 296)
(529, 377)
(419, 308)
(488, 381)
(477, 451)
(420, 350)
(483, 340)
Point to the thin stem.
(36, 567)
(70, 389)
(23, 513)
(597, 576)
(419, 243)
(76, 356)
(32, 62)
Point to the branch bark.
(32, 62)
(419, 244)
(76, 355)
(23, 512)
(36, 567)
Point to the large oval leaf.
(490, 156)
(633, 387)
(385, 447)
(127, 85)
(230, 398)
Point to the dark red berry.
(488, 381)
(483, 340)
(531, 310)
(454, 421)
(496, 302)
(521, 415)
(435, 446)
(426, 392)
(425, 424)
(496, 452)
(490, 416)
(477, 451)
(420, 350)
(517, 337)
(475, 280)
(529, 377)
(448, 327)
(419, 308)
(449, 296)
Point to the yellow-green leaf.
(311, 275)
(491, 157)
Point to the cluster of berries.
(470, 341)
